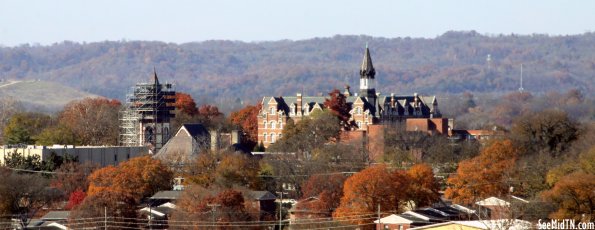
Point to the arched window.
(264, 123)
(280, 124)
(272, 110)
(273, 138)
(265, 137)
(273, 125)
(358, 110)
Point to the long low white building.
(102, 155)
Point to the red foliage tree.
(338, 106)
(185, 103)
(247, 120)
(75, 198)
(328, 189)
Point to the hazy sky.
(50, 21)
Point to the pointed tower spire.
(367, 69)
(367, 83)
(155, 79)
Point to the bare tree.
(23, 195)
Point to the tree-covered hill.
(229, 72)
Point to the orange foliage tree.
(574, 196)
(135, 179)
(485, 175)
(366, 190)
(423, 187)
(247, 120)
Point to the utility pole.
(105, 217)
(281, 208)
(213, 207)
(150, 215)
(379, 223)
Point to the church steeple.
(367, 69)
(367, 73)
(155, 79)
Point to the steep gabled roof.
(195, 130)
(260, 195)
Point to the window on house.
(273, 138)
(358, 110)
(273, 125)
(307, 110)
(280, 124)
(265, 137)
(359, 124)
(264, 123)
(115, 157)
(272, 110)
(292, 110)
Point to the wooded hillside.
(230, 72)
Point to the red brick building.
(368, 107)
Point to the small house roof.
(400, 219)
(56, 215)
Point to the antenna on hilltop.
(521, 88)
(489, 60)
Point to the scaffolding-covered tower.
(145, 120)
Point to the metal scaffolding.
(146, 116)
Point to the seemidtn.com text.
(564, 224)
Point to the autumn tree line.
(546, 156)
